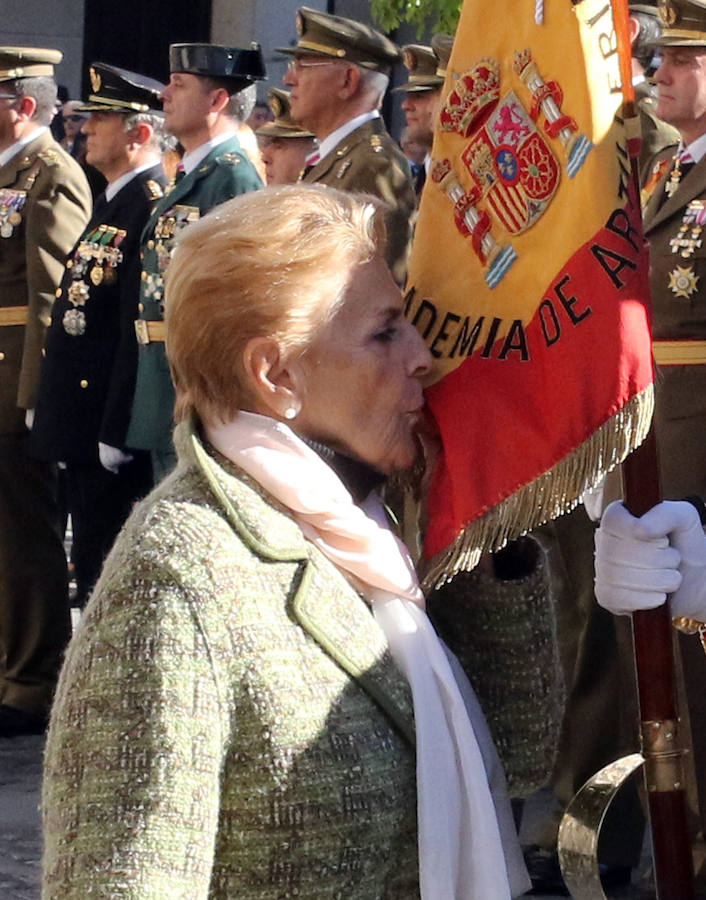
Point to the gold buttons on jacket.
(2, 356)
(57, 292)
(83, 383)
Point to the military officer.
(338, 77)
(284, 146)
(88, 374)
(422, 90)
(211, 89)
(656, 135)
(44, 205)
(674, 220)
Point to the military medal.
(683, 282)
(74, 322)
(14, 218)
(78, 293)
(6, 230)
(676, 173)
(685, 243)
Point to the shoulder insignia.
(49, 156)
(229, 159)
(376, 143)
(154, 189)
(343, 168)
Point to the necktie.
(419, 180)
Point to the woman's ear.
(273, 382)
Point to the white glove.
(680, 521)
(111, 458)
(29, 419)
(634, 570)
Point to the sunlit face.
(284, 158)
(681, 89)
(107, 142)
(187, 104)
(313, 82)
(360, 380)
(419, 110)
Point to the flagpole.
(652, 631)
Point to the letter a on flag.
(528, 275)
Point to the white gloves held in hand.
(640, 561)
(111, 458)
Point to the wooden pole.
(652, 631)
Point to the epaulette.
(154, 189)
(229, 159)
(49, 156)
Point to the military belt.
(150, 331)
(13, 315)
(679, 353)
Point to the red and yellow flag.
(528, 276)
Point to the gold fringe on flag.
(555, 492)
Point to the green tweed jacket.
(228, 722)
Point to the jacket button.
(57, 292)
(83, 383)
(2, 356)
(141, 307)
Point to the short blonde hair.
(273, 262)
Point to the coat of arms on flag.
(528, 275)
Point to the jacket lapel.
(322, 601)
(692, 185)
(339, 152)
(24, 159)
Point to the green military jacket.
(369, 161)
(229, 721)
(45, 203)
(674, 231)
(222, 175)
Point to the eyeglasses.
(73, 118)
(294, 66)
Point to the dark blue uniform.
(88, 375)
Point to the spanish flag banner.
(528, 275)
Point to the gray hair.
(160, 140)
(374, 84)
(43, 90)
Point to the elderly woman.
(255, 704)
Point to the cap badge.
(95, 80)
(667, 13)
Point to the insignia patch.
(154, 189)
(683, 282)
(49, 156)
(513, 163)
(343, 168)
(231, 158)
(376, 143)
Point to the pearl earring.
(290, 413)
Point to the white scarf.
(462, 855)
